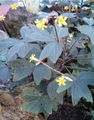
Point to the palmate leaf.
(7, 43)
(37, 102)
(61, 32)
(33, 34)
(79, 87)
(52, 51)
(4, 72)
(3, 55)
(21, 49)
(51, 90)
(41, 72)
(88, 30)
(80, 90)
(88, 21)
(21, 69)
(82, 60)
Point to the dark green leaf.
(52, 50)
(41, 72)
(51, 89)
(4, 72)
(21, 69)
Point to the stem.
(71, 48)
(50, 68)
(3, 26)
(67, 70)
(56, 34)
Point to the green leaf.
(83, 57)
(88, 21)
(51, 90)
(4, 72)
(3, 55)
(88, 30)
(61, 32)
(21, 69)
(78, 91)
(80, 87)
(47, 104)
(69, 15)
(34, 34)
(32, 107)
(31, 91)
(22, 49)
(41, 72)
(9, 43)
(3, 35)
(52, 50)
(37, 102)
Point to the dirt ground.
(69, 112)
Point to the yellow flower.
(61, 21)
(70, 35)
(32, 58)
(61, 81)
(66, 8)
(2, 17)
(73, 9)
(75, 6)
(14, 6)
(41, 23)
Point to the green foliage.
(52, 92)
(36, 102)
(4, 72)
(41, 72)
(56, 54)
(21, 69)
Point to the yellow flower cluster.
(66, 7)
(73, 9)
(61, 21)
(62, 80)
(14, 6)
(2, 17)
(41, 23)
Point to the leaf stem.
(56, 33)
(50, 67)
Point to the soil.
(69, 112)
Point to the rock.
(15, 19)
